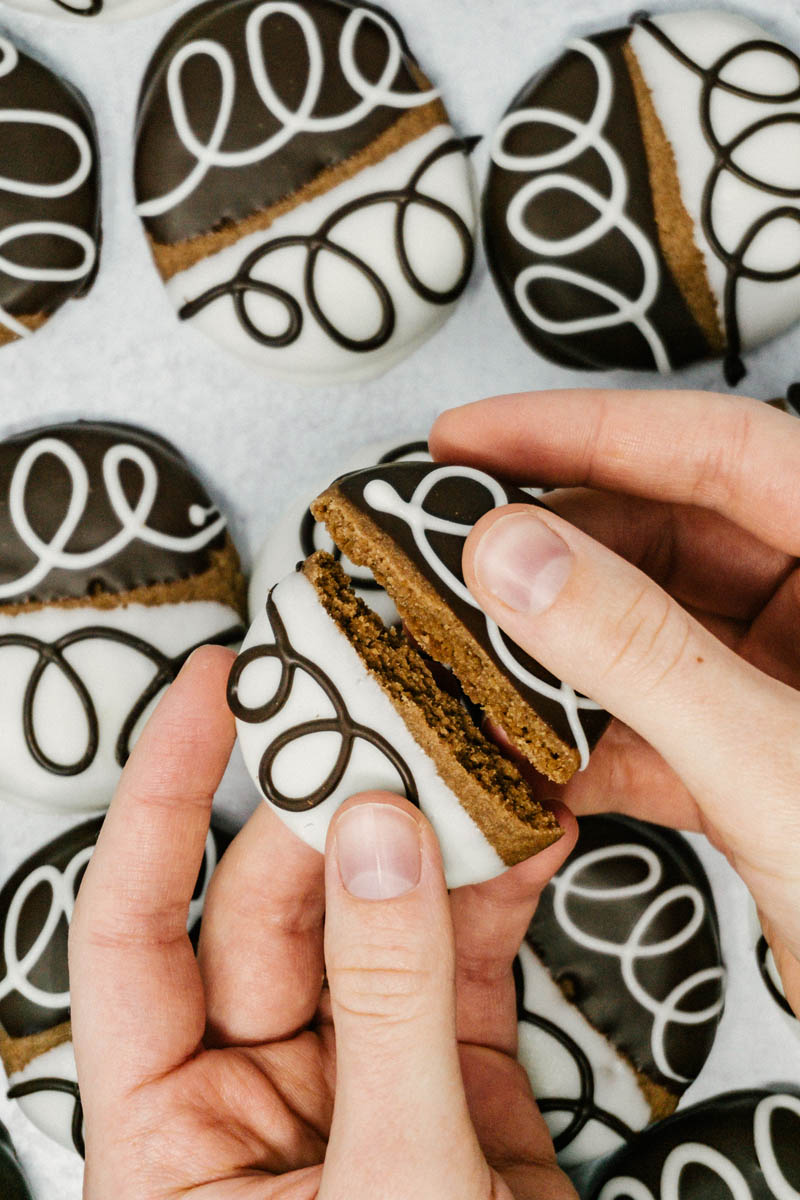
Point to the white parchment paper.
(122, 353)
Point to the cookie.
(297, 535)
(739, 1146)
(306, 201)
(114, 566)
(408, 523)
(36, 907)
(329, 702)
(49, 193)
(12, 1181)
(97, 10)
(642, 197)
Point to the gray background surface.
(122, 353)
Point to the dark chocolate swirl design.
(734, 258)
(762, 953)
(91, 10)
(342, 723)
(582, 1108)
(52, 654)
(33, 1087)
(323, 240)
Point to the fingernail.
(379, 851)
(522, 562)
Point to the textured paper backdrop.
(122, 353)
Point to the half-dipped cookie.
(305, 199)
(114, 565)
(739, 1146)
(329, 702)
(49, 193)
(619, 985)
(36, 906)
(408, 523)
(643, 204)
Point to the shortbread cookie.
(12, 1181)
(114, 566)
(306, 201)
(329, 702)
(619, 984)
(642, 205)
(739, 1146)
(408, 523)
(36, 907)
(49, 193)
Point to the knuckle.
(650, 639)
(384, 984)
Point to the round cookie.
(36, 907)
(12, 1181)
(739, 1146)
(619, 985)
(643, 204)
(114, 566)
(96, 10)
(49, 193)
(296, 535)
(305, 198)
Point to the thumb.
(400, 1113)
(612, 633)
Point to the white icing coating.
(640, 945)
(18, 232)
(700, 1153)
(83, 10)
(344, 294)
(50, 1110)
(132, 520)
(302, 766)
(292, 121)
(283, 547)
(610, 209)
(381, 496)
(554, 1072)
(764, 308)
(115, 675)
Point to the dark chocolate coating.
(40, 154)
(724, 1126)
(464, 500)
(47, 497)
(19, 1015)
(594, 981)
(12, 1181)
(569, 85)
(229, 194)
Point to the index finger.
(136, 994)
(736, 456)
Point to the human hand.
(243, 1075)
(666, 588)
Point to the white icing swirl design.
(697, 1153)
(381, 496)
(293, 121)
(639, 946)
(9, 58)
(133, 520)
(610, 211)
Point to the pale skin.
(244, 1075)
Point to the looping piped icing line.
(637, 947)
(348, 730)
(132, 519)
(695, 1153)
(771, 977)
(292, 121)
(68, 1087)
(583, 1108)
(9, 58)
(322, 241)
(381, 496)
(53, 654)
(610, 209)
(734, 257)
